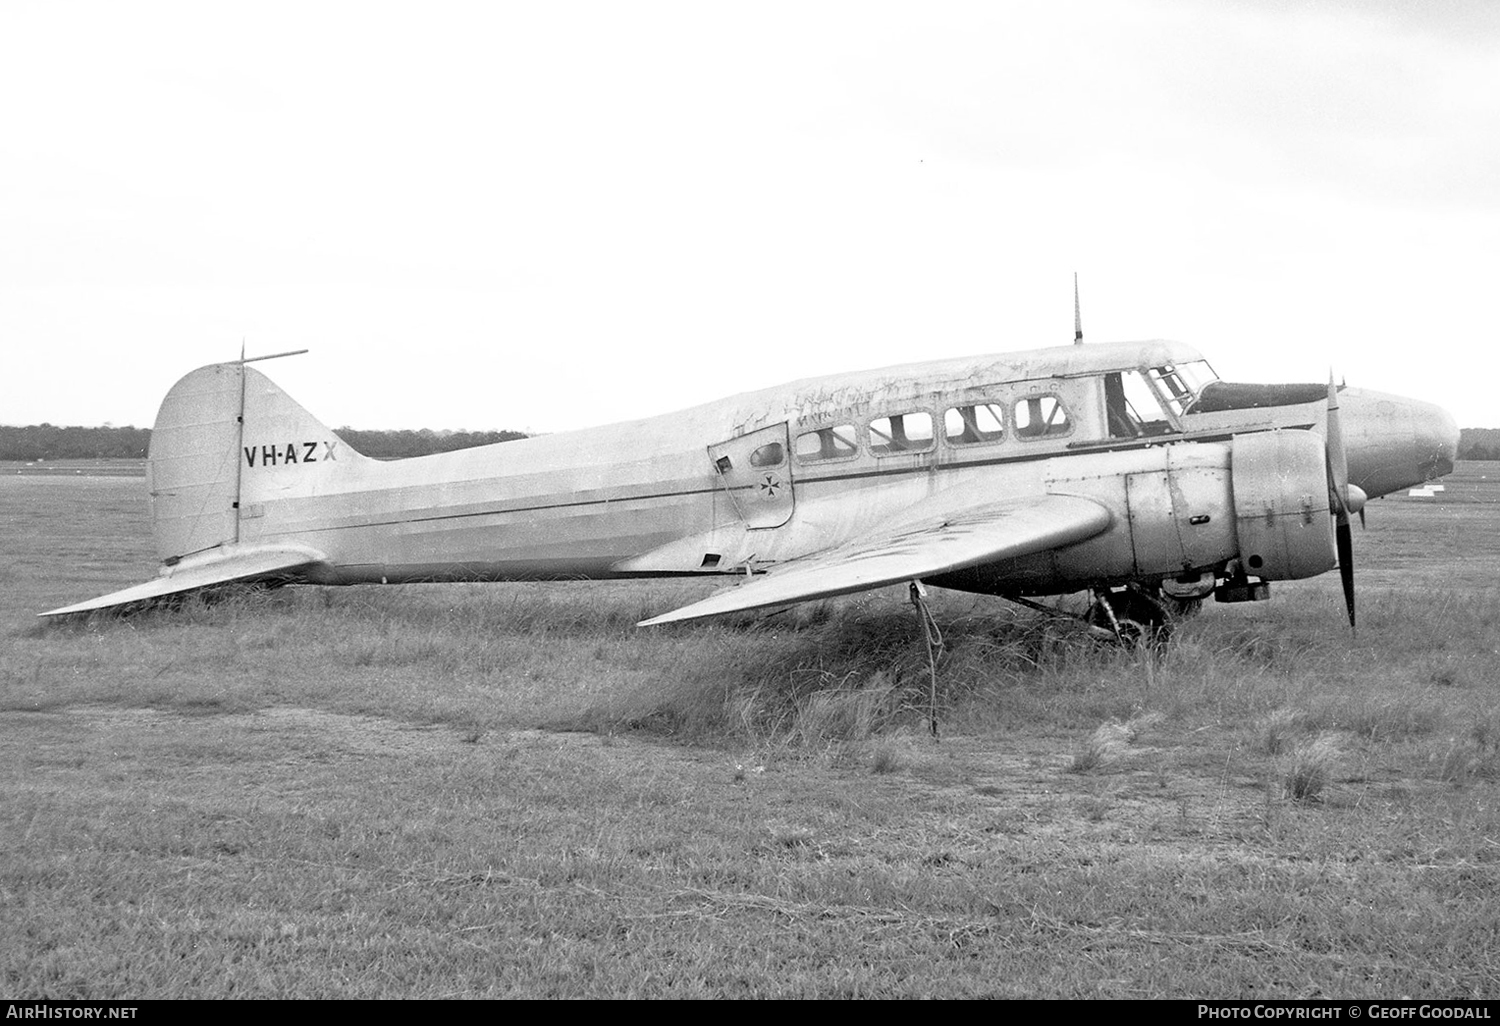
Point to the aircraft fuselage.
(1157, 470)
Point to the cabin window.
(772, 454)
(901, 432)
(828, 443)
(972, 425)
(1041, 416)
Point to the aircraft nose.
(1437, 440)
(1394, 442)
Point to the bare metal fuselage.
(1023, 473)
(673, 494)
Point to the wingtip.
(144, 592)
(671, 617)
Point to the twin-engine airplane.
(1125, 469)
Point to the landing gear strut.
(1132, 616)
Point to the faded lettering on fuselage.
(291, 452)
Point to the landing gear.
(1133, 615)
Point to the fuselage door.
(754, 472)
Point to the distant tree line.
(47, 442)
(1479, 444)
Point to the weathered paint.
(238, 467)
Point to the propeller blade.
(1345, 536)
(1338, 456)
(1339, 498)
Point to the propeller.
(1343, 498)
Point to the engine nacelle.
(1280, 487)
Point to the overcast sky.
(542, 215)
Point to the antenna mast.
(1077, 314)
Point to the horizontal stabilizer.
(922, 544)
(205, 570)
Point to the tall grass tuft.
(1471, 758)
(885, 757)
(1103, 746)
(1278, 728)
(1110, 741)
(847, 713)
(1308, 770)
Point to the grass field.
(509, 790)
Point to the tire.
(1143, 619)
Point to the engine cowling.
(1280, 486)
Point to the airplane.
(1128, 470)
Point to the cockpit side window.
(1041, 416)
(973, 425)
(837, 442)
(1132, 407)
(1181, 384)
(901, 433)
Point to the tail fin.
(226, 439)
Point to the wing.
(207, 570)
(923, 544)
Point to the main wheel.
(1141, 618)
